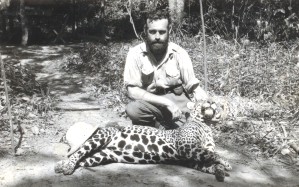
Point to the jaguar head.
(206, 111)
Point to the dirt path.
(35, 164)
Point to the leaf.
(279, 10)
(25, 98)
(285, 151)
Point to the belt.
(173, 89)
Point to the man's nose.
(157, 36)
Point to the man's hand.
(139, 93)
(200, 94)
(175, 111)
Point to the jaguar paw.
(65, 166)
(220, 172)
(58, 168)
(226, 165)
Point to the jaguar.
(191, 145)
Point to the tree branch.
(131, 19)
(7, 104)
(204, 46)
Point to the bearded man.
(159, 77)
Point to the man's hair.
(153, 15)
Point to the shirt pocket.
(147, 76)
(172, 74)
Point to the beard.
(158, 47)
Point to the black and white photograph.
(149, 93)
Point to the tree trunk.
(3, 23)
(23, 23)
(176, 8)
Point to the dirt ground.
(35, 160)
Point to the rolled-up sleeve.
(187, 72)
(132, 73)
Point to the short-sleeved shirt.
(175, 69)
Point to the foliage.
(21, 79)
(259, 83)
(261, 20)
(4, 4)
(91, 58)
(104, 62)
(255, 19)
(28, 98)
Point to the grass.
(259, 85)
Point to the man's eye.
(152, 32)
(162, 32)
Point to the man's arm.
(200, 94)
(188, 77)
(137, 93)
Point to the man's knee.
(133, 110)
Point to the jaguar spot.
(142, 162)
(118, 153)
(135, 137)
(121, 144)
(93, 145)
(165, 149)
(128, 147)
(104, 160)
(129, 159)
(103, 154)
(97, 159)
(102, 141)
(147, 156)
(137, 154)
(141, 148)
(153, 139)
(161, 142)
(80, 153)
(124, 135)
(187, 146)
(153, 148)
(144, 140)
(156, 158)
(86, 147)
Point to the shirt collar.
(169, 52)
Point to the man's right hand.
(175, 111)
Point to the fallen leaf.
(285, 151)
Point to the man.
(159, 77)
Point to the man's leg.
(143, 113)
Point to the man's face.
(157, 35)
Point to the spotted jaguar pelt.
(191, 145)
